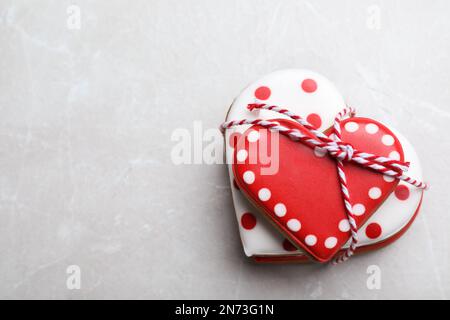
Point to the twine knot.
(347, 151)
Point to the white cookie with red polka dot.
(316, 99)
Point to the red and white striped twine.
(338, 149)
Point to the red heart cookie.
(302, 195)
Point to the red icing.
(402, 192)
(248, 221)
(373, 230)
(309, 85)
(262, 93)
(315, 120)
(309, 188)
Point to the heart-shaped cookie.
(316, 99)
(302, 197)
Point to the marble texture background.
(86, 117)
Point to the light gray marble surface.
(86, 117)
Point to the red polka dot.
(315, 120)
(373, 230)
(235, 184)
(402, 192)
(309, 85)
(248, 221)
(262, 93)
(288, 246)
(234, 138)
